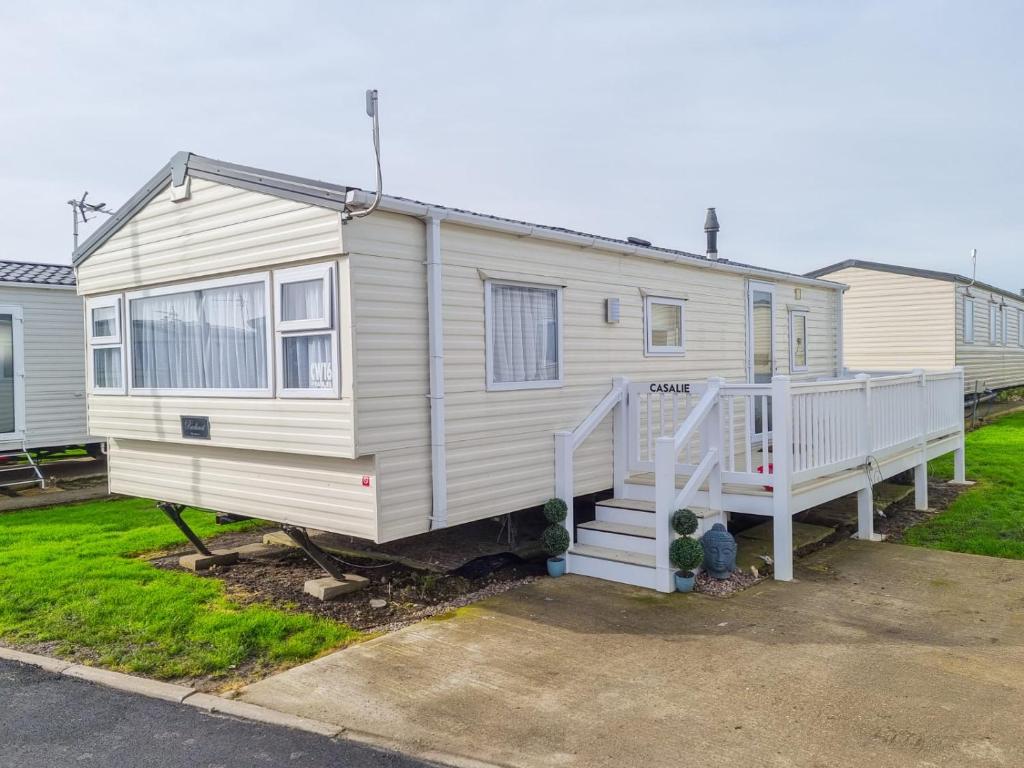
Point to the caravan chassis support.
(316, 554)
(173, 511)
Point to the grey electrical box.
(611, 310)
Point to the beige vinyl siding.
(218, 230)
(896, 322)
(988, 366)
(500, 443)
(288, 425)
(315, 491)
(54, 364)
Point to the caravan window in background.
(1020, 328)
(665, 321)
(307, 337)
(993, 324)
(968, 320)
(105, 359)
(523, 335)
(209, 338)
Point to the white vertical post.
(782, 453)
(921, 470)
(564, 477)
(664, 503)
(959, 455)
(866, 437)
(866, 513)
(620, 437)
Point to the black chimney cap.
(711, 221)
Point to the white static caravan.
(897, 317)
(423, 367)
(42, 369)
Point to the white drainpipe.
(435, 342)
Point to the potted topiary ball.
(684, 522)
(555, 538)
(686, 555)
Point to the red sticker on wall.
(366, 481)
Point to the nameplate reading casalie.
(195, 427)
(668, 387)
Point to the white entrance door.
(760, 345)
(12, 374)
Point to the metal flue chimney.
(711, 230)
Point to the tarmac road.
(50, 721)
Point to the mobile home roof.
(878, 266)
(326, 195)
(30, 273)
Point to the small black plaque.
(195, 427)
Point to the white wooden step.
(614, 555)
(584, 562)
(631, 538)
(626, 512)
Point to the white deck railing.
(771, 436)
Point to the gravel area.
(739, 580)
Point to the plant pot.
(684, 583)
(556, 567)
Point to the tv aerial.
(80, 209)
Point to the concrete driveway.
(879, 655)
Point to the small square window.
(666, 326)
(304, 298)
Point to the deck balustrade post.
(959, 455)
(921, 470)
(620, 437)
(866, 513)
(664, 506)
(782, 486)
(713, 431)
(866, 436)
(564, 484)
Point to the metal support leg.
(317, 555)
(173, 511)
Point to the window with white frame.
(1004, 324)
(208, 338)
(524, 335)
(1020, 328)
(306, 330)
(106, 350)
(798, 341)
(665, 323)
(968, 320)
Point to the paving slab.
(877, 655)
(754, 542)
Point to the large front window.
(210, 337)
(524, 346)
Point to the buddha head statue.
(719, 552)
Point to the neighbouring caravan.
(42, 369)
(897, 317)
(255, 349)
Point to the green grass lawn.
(71, 577)
(987, 519)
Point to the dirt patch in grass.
(409, 594)
(902, 515)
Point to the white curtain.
(306, 362)
(208, 339)
(303, 300)
(106, 367)
(524, 335)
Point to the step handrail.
(567, 442)
(706, 416)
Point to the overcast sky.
(821, 131)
